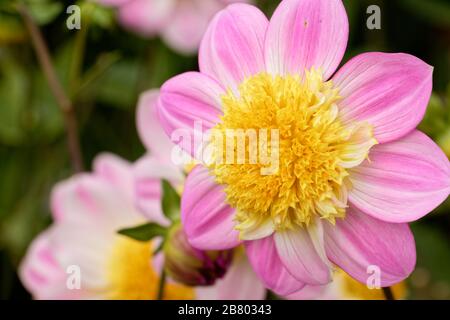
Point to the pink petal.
(150, 129)
(390, 91)
(87, 198)
(303, 34)
(151, 167)
(87, 244)
(208, 221)
(116, 171)
(240, 283)
(44, 276)
(302, 257)
(146, 17)
(267, 264)
(65, 201)
(231, 49)
(40, 273)
(403, 181)
(359, 241)
(227, 2)
(189, 105)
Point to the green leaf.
(170, 201)
(11, 30)
(436, 117)
(21, 203)
(45, 119)
(102, 16)
(89, 83)
(144, 232)
(28, 109)
(13, 85)
(438, 259)
(44, 11)
(117, 86)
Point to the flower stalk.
(388, 294)
(56, 87)
(162, 283)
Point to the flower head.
(351, 170)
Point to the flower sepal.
(191, 266)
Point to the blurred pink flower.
(327, 203)
(181, 23)
(88, 210)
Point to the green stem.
(102, 65)
(388, 294)
(162, 283)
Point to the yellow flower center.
(296, 122)
(132, 277)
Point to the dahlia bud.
(191, 266)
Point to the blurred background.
(103, 69)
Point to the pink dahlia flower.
(350, 169)
(181, 23)
(88, 210)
